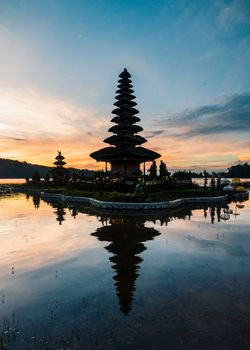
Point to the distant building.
(125, 154)
(58, 172)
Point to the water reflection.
(217, 213)
(126, 239)
(127, 235)
(36, 200)
(181, 277)
(60, 213)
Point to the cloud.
(232, 248)
(236, 12)
(19, 139)
(229, 116)
(151, 134)
(211, 137)
(33, 125)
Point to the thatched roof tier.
(125, 74)
(125, 102)
(125, 85)
(123, 81)
(139, 154)
(124, 94)
(125, 118)
(125, 128)
(125, 110)
(59, 156)
(126, 139)
(59, 163)
(125, 90)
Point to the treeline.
(15, 169)
(240, 170)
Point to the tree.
(213, 183)
(163, 169)
(47, 178)
(153, 170)
(205, 183)
(36, 177)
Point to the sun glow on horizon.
(192, 86)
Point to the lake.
(75, 278)
(12, 181)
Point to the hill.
(15, 169)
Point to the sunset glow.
(189, 63)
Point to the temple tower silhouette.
(125, 153)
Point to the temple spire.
(125, 153)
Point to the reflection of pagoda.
(126, 239)
(59, 171)
(60, 213)
(36, 199)
(126, 155)
(126, 234)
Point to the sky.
(189, 61)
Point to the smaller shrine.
(58, 172)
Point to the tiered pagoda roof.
(59, 160)
(125, 144)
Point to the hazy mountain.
(11, 169)
(15, 169)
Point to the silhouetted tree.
(47, 178)
(36, 177)
(240, 170)
(205, 183)
(74, 177)
(163, 169)
(153, 170)
(213, 183)
(218, 183)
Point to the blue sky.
(65, 56)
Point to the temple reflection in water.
(126, 235)
(75, 276)
(126, 240)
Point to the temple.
(125, 153)
(58, 172)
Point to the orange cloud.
(33, 126)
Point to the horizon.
(189, 64)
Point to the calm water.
(72, 278)
(12, 181)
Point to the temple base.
(125, 168)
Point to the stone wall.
(135, 206)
